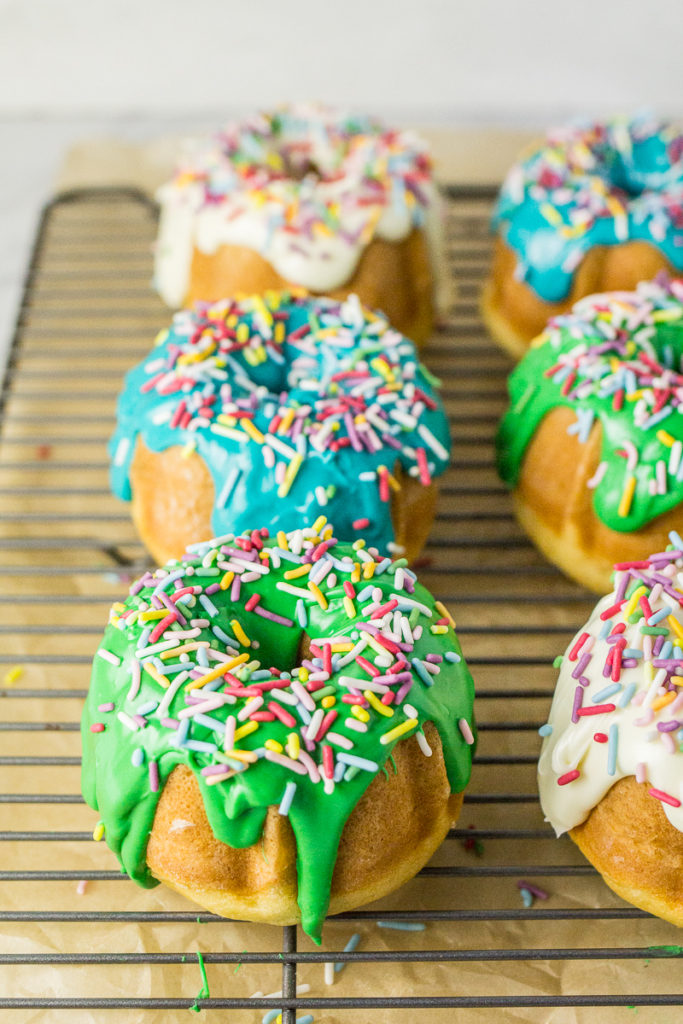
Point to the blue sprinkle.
(350, 946)
(627, 695)
(303, 713)
(612, 747)
(339, 770)
(422, 672)
(527, 898)
(606, 692)
(402, 926)
(228, 487)
(365, 593)
(181, 732)
(208, 604)
(138, 757)
(144, 709)
(271, 1016)
(545, 730)
(658, 616)
(675, 539)
(200, 746)
(210, 723)
(220, 635)
(606, 630)
(343, 757)
(453, 657)
(288, 796)
(382, 566)
(667, 646)
(301, 614)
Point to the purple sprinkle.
(578, 701)
(154, 776)
(540, 894)
(434, 658)
(212, 588)
(109, 706)
(668, 726)
(170, 723)
(265, 614)
(581, 664)
(235, 588)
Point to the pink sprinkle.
(666, 798)
(464, 727)
(568, 777)
(97, 727)
(154, 776)
(360, 524)
(641, 772)
(609, 612)
(252, 602)
(81, 887)
(283, 715)
(597, 709)
(105, 707)
(328, 761)
(367, 665)
(574, 653)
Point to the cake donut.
(611, 767)
(598, 207)
(243, 703)
(591, 443)
(274, 407)
(304, 196)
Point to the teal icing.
(263, 374)
(589, 185)
(117, 758)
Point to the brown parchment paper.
(91, 582)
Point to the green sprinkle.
(558, 661)
(204, 990)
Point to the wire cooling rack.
(70, 924)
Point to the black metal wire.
(57, 316)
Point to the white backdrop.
(515, 61)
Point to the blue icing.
(595, 184)
(254, 368)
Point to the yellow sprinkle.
(393, 482)
(249, 428)
(98, 831)
(341, 647)
(301, 570)
(247, 756)
(551, 214)
(677, 680)
(118, 606)
(665, 437)
(627, 497)
(368, 570)
(13, 674)
(358, 544)
(327, 533)
(239, 633)
(227, 580)
(319, 523)
(188, 449)
(329, 701)
(172, 652)
(355, 573)
(153, 614)
(318, 594)
(661, 702)
(374, 702)
(293, 745)
(243, 332)
(282, 540)
(156, 675)
(349, 607)
(215, 673)
(245, 730)
(633, 601)
(399, 730)
(438, 630)
(290, 474)
(444, 612)
(273, 745)
(360, 713)
(676, 626)
(286, 421)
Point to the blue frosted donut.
(296, 407)
(592, 185)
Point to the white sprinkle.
(108, 656)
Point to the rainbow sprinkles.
(201, 665)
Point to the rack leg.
(289, 972)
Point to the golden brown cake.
(243, 705)
(596, 207)
(274, 406)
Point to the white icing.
(312, 258)
(572, 746)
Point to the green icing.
(616, 361)
(118, 762)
